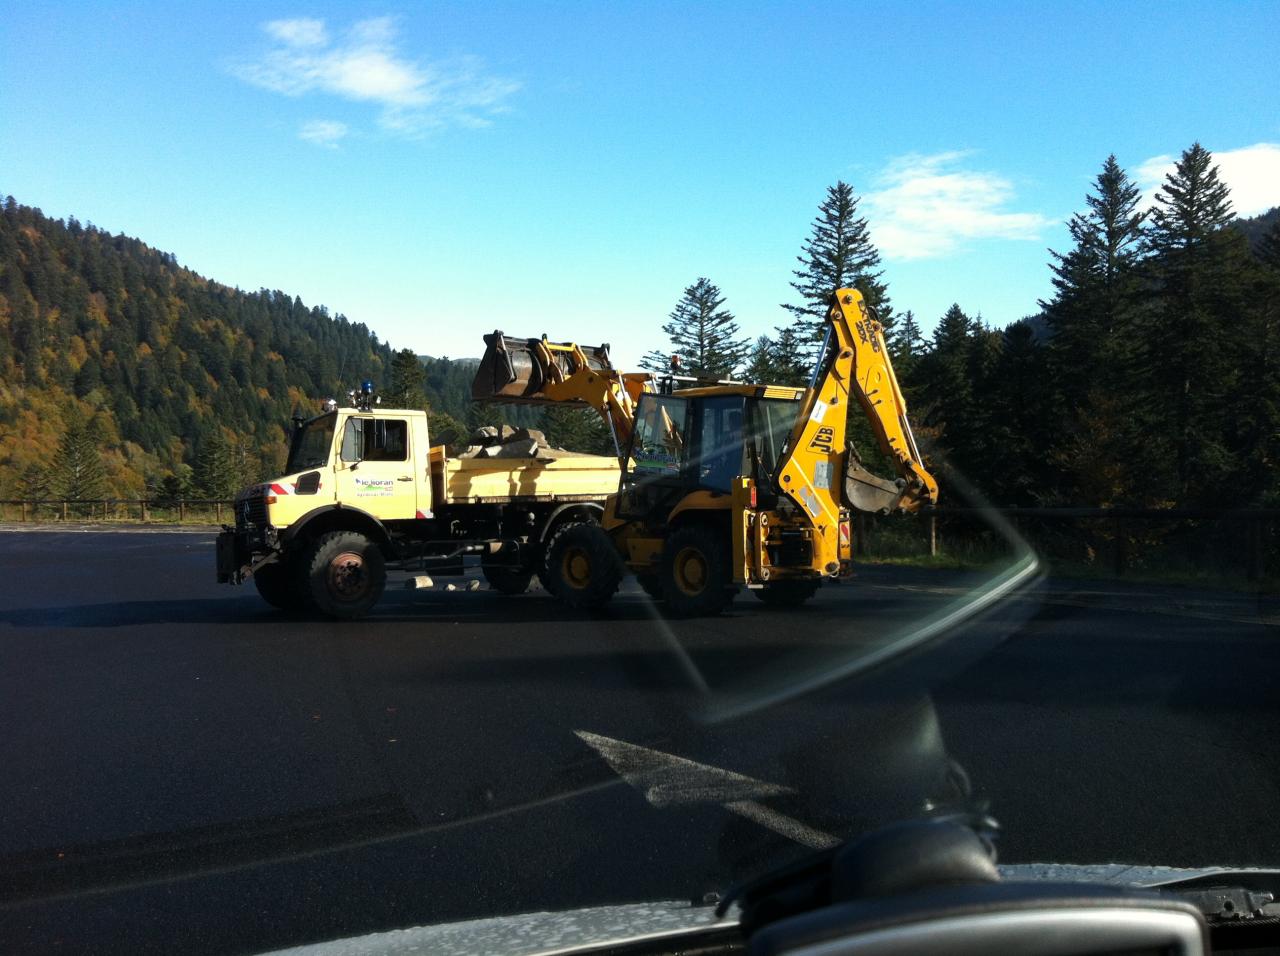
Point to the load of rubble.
(504, 441)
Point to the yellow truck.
(364, 492)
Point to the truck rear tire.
(343, 574)
(507, 578)
(696, 580)
(276, 587)
(786, 593)
(583, 569)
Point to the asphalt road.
(186, 769)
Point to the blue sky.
(439, 171)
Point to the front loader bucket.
(517, 370)
(864, 491)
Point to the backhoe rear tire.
(783, 594)
(583, 569)
(507, 578)
(343, 574)
(696, 579)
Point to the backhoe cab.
(728, 485)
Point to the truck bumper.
(233, 558)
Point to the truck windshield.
(312, 444)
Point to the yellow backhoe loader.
(727, 485)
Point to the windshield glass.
(312, 444)
(569, 613)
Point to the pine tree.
(77, 472)
(1268, 250)
(408, 379)
(214, 470)
(575, 428)
(759, 370)
(946, 371)
(906, 345)
(1092, 313)
(656, 361)
(1199, 274)
(838, 254)
(705, 334)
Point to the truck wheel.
(696, 580)
(343, 574)
(787, 593)
(507, 578)
(275, 587)
(583, 569)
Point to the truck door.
(375, 467)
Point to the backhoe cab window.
(770, 421)
(657, 447)
(720, 444)
(375, 439)
(312, 444)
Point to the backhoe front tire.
(583, 569)
(696, 578)
(343, 574)
(784, 594)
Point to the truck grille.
(251, 512)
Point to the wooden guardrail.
(108, 509)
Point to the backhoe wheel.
(651, 584)
(696, 581)
(343, 574)
(507, 578)
(787, 593)
(583, 569)
(276, 587)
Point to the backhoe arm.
(821, 469)
(539, 372)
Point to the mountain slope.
(156, 357)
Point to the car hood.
(569, 931)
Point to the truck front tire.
(343, 574)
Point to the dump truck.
(365, 492)
(731, 485)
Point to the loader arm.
(539, 372)
(820, 470)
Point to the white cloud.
(364, 64)
(1252, 173)
(300, 32)
(926, 207)
(325, 133)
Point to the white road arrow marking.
(667, 780)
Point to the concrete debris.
(419, 582)
(504, 441)
(517, 449)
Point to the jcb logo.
(822, 440)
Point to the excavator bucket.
(517, 370)
(864, 491)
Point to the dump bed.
(561, 477)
